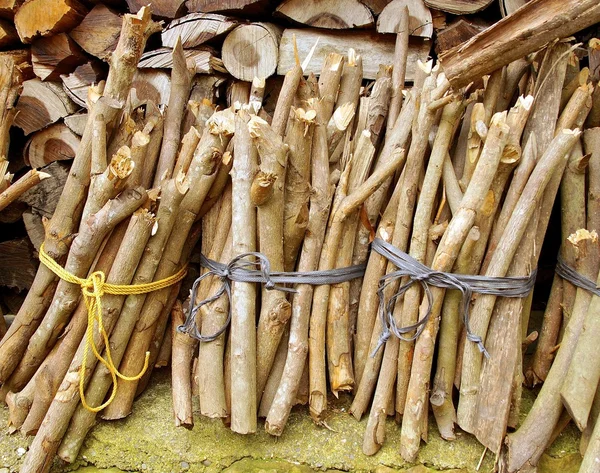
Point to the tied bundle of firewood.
(292, 188)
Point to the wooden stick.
(243, 331)
(272, 384)
(200, 177)
(267, 194)
(499, 45)
(30, 179)
(136, 28)
(339, 353)
(181, 370)
(537, 429)
(47, 441)
(446, 254)
(409, 310)
(399, 71)
(441, 398)
(553, 159)
(285, 99)
(181, 81)
(100, 382)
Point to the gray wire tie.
(569, 274)
(240, 269)
(418, 272)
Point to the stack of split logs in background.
(176, 151)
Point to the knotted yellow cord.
(92, 289)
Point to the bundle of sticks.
(459, 172)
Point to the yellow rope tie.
(92, 289)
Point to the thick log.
(204, 59)
(508, 7)
(162, 8)
(196, 28)
(250, 51)
(153, 85)
(206, 6)
(55, 143)
(40, 104)
(47, 17)
(376, 6)
(459, 7)
(420, 22)
(55, 55)
(517, 35)
(332, 14)
(374, 48)
(77, 83)
(43, 198)
(99, 32)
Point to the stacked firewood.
(456, 162)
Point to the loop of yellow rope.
(92, 289)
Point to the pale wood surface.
(196, 28)
(459, 7)
(374, 48)
(40, 104)
(204, 58)
(154, 85)
(99, 32)
(54, 143)
(333, 14)
(47, 17)
(55, 55)
(77, 82)
(420, 22)
(250, 51)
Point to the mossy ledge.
(149, 442)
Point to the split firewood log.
(55, 55)
(205, 60)
(161, 8)
(43, 198)
(77, 83)
(153, 85)
(40, 104)
(375, 49)
(47, 17)
(76, 123)
(196, 28)
(99, 32)
(207, 6)
(458, 31)
(459, 7)
(327, 14)
(250, 51)
(419, 20)
(9, 7)
(54, 143)
(508, 7)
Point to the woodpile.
(369, 220)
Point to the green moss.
(148, 442)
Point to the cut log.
(55, 55)
(43, 198)
(376, 6)
(8, 34)
(22, 61)
(9, 7)
(18, 264)
(153, 85)
(196, 28)
(99, 32)
(206, 6)
(40, 104)
(460, 30)
(77, 83)
(525, 31)
(332, 14)
(76, 123)
(459, 7)
(374, 48)
(250, 51)
(420, 22)
(204, 58)
(162, 8)
(54, 143)
(47, 17)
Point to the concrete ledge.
(149, 442)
